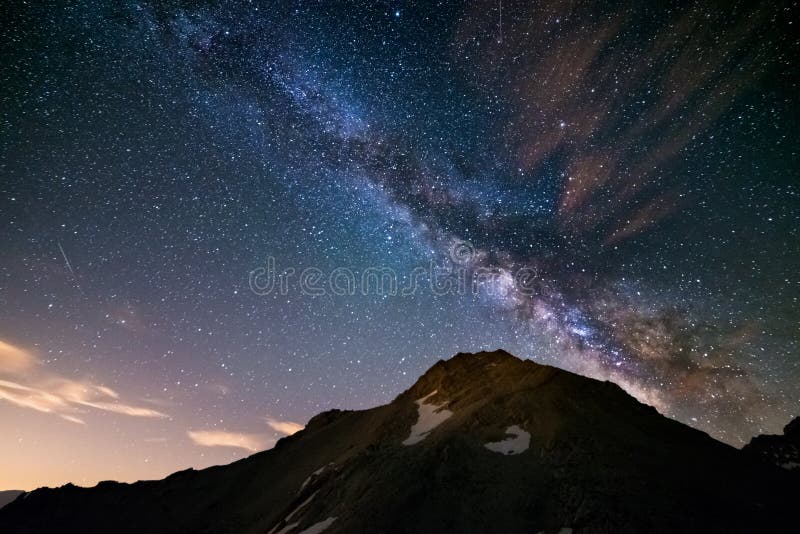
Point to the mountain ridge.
(499, 444)
(782, 450)
(6, 496)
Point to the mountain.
(482, 442)
(783, 451)
(9, 495)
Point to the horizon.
(270, 446)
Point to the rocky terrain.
(9, 495)
(782, 451)
(481, 443)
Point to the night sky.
(638, 163)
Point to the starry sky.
(637, 163)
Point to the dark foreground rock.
(781, 451)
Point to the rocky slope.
(782, 451)
(481, 443)
(9, 495)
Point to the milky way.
(639, 163)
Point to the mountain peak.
(496, 355)
(479, 369)
(499, 377)
(464, 361)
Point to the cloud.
(73, 419)
(615, 112)
(27, 386)
(285, 427)
(223, 438)
(13, 359)
(32, 398)
(240, 440)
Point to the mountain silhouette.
(481, 442)
(781, 450)
(7, 496)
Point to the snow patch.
(790, 465)
(289, 517)
(565, 530)
(300, 507)
(316, 473)
(316, 528)
(518, 443)
(430, 416)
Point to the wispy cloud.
(14, 359)
(285, 427)
(614, 112)
(27, 385)
(241, 440)
(223, 438)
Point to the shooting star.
(500, 25)
(69, 267)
